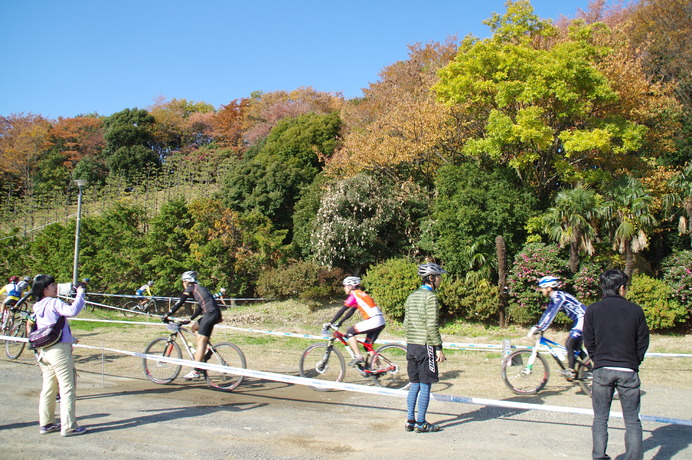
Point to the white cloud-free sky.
(77, 57)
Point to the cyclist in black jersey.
(211, 315)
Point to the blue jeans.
(605, 381)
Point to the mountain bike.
(14, 348)
(134, 307)
(525, 371)
(386, 366)
(224, 354)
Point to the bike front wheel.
(388, 367)
(322, 362)
(159, 371)
(522, 376)
(585, 375)
(15, 348)
(225, 354)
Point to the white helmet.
(351, 281)
(190, 276)
(430, 269)
(548, 282)
(222, 290)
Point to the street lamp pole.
(75, 270)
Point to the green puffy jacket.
(422, 318)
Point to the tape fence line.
(329, 385)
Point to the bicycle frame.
(177, 329)
(557, 351)
(370, 351)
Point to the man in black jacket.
(616, 337)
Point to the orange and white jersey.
(364, 303)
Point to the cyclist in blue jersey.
(561, 301)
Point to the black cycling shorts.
(206, 323)
(370, 336)
(422, 367)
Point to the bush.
(535, 261)
(677, 272)
(585, 283)
(657, 300)
(390, 283)
(306, 281)
(470, 301)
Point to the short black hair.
(611, 280)
(41, 282)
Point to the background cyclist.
(207, 305)
(13, 291)
(373, 320)
(144, 289)
(219, 296)
(561, 300)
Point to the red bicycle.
(386, 366)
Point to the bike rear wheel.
(225, 354)
(131, 309)
(14, 349)
(585, 375)
(522, 378)
(388, 365)
(323, 363)
(159, 371)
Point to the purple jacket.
(49, 309)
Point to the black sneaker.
(410, 424)
(426, 427)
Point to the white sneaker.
(193, 375)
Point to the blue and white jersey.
(560, 300)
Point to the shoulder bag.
(47, 336)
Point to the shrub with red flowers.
(585, 284)
(535, 261)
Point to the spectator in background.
(56, 361)
(616, 337)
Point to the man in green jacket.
(423, 346)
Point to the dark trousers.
(605, 381)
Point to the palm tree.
(570, 222)
(680, 198)
(628, 216)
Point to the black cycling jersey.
(205, 300)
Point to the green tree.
(472, 207)
(542, 104)
(111, 249)
(570, 222)
(679, 200)
(128, 136)
(628, 215)
(270, 178)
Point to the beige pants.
(57, 366)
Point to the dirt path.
(130, 417)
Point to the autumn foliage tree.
(398, 127)
(23, 140)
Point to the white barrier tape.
(462, 346)
(329, 385)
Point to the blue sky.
(77, 57)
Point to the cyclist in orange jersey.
(373, 320)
